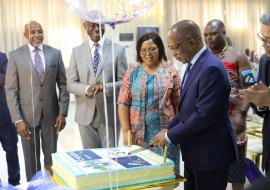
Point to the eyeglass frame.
(263, 39)
(148, 50)
(178, 45)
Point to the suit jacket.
(4, 112)
(264, 76)
(27, 97)
(202, 126)
(81, 74)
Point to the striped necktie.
(38, 65)
(96, 58)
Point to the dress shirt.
(41, 53)
(92, 48)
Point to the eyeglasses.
(263, 39)
(176, 46)
(149, 50)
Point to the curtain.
(199, 11)
(241, 17)
(62, 28)
(243, 22)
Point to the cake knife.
(140, 149)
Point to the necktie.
(96, 58)
(38, 65)
(188, 69)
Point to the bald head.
(187, 28)
(92, 30)
(184, 40)
(30, 24)
(218, 24)
(215, 35)
(34, 33)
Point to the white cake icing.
(103, 168)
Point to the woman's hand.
(126, 137)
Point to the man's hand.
(160, 139)
(94, 89)
(258, 94)
(22, 130)
(60, 123)
(97, 88)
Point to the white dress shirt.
(92, 48)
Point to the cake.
(103, 168)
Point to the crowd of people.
(203, 114)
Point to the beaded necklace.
(221, 55)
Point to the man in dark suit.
(202, 126)
(8, 136)
(264, 76)
(38, 111)
(259, 94)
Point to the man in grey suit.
(85, 81)
(33, 72)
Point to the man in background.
(240, 75)
(8, 136)
(87, 63)
(264, 77)
(38, 112)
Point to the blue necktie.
(38, 65)
(188, 69)
(96, 58)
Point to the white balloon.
(110, 11)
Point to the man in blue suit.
(201, 127)
(8, 135)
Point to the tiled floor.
(69, 139)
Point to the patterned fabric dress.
(235, 82)
(238, 168)
(144, 93)
(232, 69)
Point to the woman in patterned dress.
(149, 96)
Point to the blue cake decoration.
(131, 161)
(83, 155)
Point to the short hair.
(265, 18)
(219, 23)
(156, 40)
